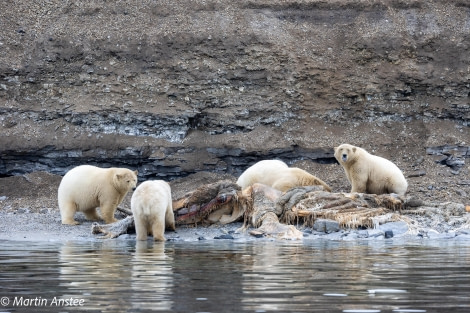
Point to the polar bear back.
(150, 198)
(263, 172)
(277, 174)
(80, 185)
(385, 177)
(151, 205)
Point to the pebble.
(388, 234)
(225, 236)
(22, 210)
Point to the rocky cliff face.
(177, 87)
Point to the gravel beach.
(29, 213)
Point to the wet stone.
(326, 226)
(224, 236)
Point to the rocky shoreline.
(46, 227)
(29, 213)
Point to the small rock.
(44, 211)
(22, 210)
(417, 173)
(326, 226)
(201, 238)
(362, 234)
(224, 236)
(414, 202)
(3, 198)
(388, 234)
(419, 160)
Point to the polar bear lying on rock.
(277, 174)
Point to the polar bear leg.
(158, 230)
(360, 187)
(91, 215)
(140, 229)
(107, 212)
(170, 217)
(67, 212)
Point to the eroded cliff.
(177, 87)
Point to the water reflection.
(260, 276)
(152, 277)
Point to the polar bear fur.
(86, 187)
(369, 173)
(277, 174)
(152, 208)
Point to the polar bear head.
(346, 153)
(125, 179)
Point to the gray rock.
(326, 226)
(224, 236)
(375, 232)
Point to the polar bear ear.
(335, 149)
(136, 172)
(354, 149)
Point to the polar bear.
(277, 174)
(369, 173)
(86, 187)
(152, 208)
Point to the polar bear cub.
(86, 187)
(277, 174)
(369, 173)
(152, 208)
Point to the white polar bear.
(369, 173)
(263, 172)
(152, 208)
(277, 174)
(86, 187)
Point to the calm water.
(227, 276)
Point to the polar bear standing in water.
(369, 173)
(152, 208)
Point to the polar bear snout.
(344, 157)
